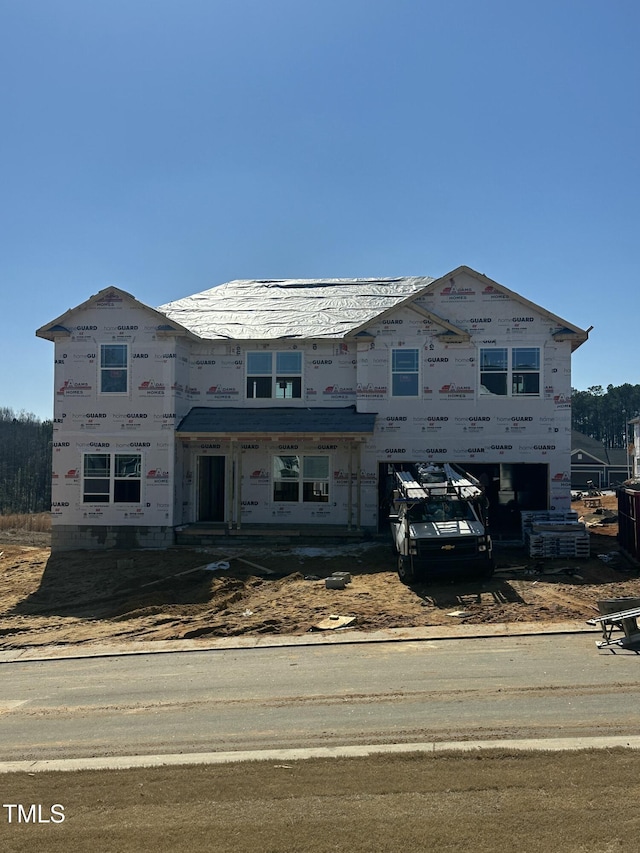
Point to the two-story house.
(289, 403)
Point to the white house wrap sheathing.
(194, 353)
(298, 308)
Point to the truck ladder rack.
(447, 482)
(410, 488)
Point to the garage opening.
(510, 488)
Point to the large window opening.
(510, 372)
(111, 478)
(301, 479)
(283, 383)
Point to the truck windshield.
(441, 511)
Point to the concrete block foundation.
(72, 537)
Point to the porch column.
(359, 485)
(229, 485)
(350, 491)
(239, 488)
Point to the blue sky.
(166, 146)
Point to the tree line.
(25, 463)
(603, 414)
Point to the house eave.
(57, 328)
(201, 435)
(55, 333)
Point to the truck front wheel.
(406, 571)
(487, 571)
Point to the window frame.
(397, 373)
(119, 368)
(307, 482)
(283, 383)
(523, 372)
(112, 476)
(510, 371)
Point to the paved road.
(309, 696)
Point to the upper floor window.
(405, 370)
(283, 383)
(510, 372)
(111, 478)
(114, 368)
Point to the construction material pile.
(551, 534)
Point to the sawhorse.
(624, 620)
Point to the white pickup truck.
(438, 523)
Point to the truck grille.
(460, 548)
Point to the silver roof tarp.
(290, 308)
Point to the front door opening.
(211, 488)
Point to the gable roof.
(272, 309)
(564, 329)
(610, 456)
(264, 309)
(63, 324)
(581, 442)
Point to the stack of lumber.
(549, 534)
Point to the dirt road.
(82, 597)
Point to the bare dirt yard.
(86, 597)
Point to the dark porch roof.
(280, 420)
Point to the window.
(514, 373)
(284, 384)
(111, 478)
(315, 479)
(97, 478)
(286, 478)
(114, 369)
(493, 371)
(301, 479)
(405, 372)
(525, 371)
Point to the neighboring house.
(288, 403)
(592, 461)
(619, 466)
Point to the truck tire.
(406, 572)
(487, 572)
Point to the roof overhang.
(62, 326)
(564, 332)
(274, 421)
